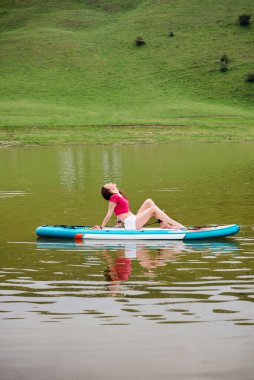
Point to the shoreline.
(4, 145)
(123, 135)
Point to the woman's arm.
(111, 208)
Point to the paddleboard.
(111, 233)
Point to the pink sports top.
(122, 204)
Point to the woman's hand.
(96, 228)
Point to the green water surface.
(118, 285)
(195, 184)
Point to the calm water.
(135, 293)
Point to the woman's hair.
(106, 193)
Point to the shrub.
(139, 41)
(223, 67)
(250, 78)
(171, 34)
(224, 58)
(244, 20)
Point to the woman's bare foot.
(176, 226)
(165, 225)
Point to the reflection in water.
(131, 247)
(111, 164)
(125, 282)
(75, 166)
(71, 168)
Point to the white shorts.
(130, 222)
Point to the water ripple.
(12, 194)
(164, 283)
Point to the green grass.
(123, 134)
(69, 65)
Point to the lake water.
(79, 310)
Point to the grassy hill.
(73, 63)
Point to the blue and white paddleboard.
(107, 233)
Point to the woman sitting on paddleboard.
(119, 204)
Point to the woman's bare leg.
(148, 203)
(142, 217)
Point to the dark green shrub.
(250, 78)
(244, 20)
(139, 41)
(224, 58)
(171, 34)
(223, 67)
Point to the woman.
(119, 204)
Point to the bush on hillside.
(224, 58)
(224, 63)
(223, 67)
(139, 41)
(250, 78)
(171, 34)
(244, 20)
